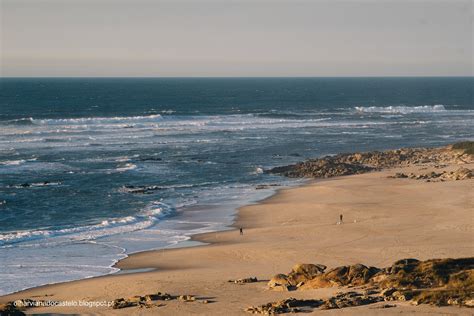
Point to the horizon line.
(225, 77)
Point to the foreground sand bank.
(385, 219)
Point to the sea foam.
(148, 217)
(402, 109)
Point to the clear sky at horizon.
(236, 38)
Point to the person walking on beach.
(241, 231)
(340, 218)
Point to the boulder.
(280, 282)
(303, 272)
(353, 275)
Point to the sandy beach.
(385, 219)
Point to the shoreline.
(195, 240)
(202, 239)
(295, 224)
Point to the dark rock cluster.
(140, 189)
(150, 300)
(244, 280)
(289, 305)
(459, 174)
(356, 163)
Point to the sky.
(177, 38)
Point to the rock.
(438, 282)
(349, 299)
(303, 272)
(289, 305)
(354, 275)
(414, 274)
(159, 297)
(140, 189)
(280, 282)
(187, 298)
(387, 293)
(462, 174)
(402, 295)
(406, 265)
(356, 163)
(142, 301)
(321, 168)
(469, 303)
(245, 280)
(368, 292)
(400, 175)
(123, 303)
(9, 309)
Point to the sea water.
(94, 169)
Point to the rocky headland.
(357, 163)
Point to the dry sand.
(384, 220)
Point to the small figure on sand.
(340, 220)
(241, 231)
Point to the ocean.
(94, 169)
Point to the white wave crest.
(126, 167)
(145, 219)
(12, 162)
(88, 120)
(402, 109)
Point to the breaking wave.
(402, 109)
(145, 219)
(82, 120)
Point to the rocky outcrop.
(459, 174)
(353, 275)
(313, 276)
(300, 274)
(292, 305)
(415, 274)
(436, 281)
(356, 163)
(321, 168)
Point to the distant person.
(340, 218)
(241, 231)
